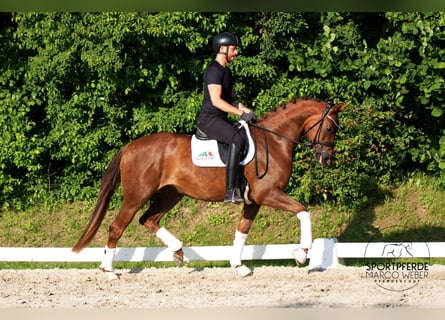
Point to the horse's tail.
(110, 181)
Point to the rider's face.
(232, 52)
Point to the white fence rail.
(137, 254)
(325, 253)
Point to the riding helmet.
(224, 39)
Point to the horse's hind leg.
(162, 202)
(115, 231)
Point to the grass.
(417, 208)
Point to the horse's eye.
(329, 128)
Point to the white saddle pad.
(205, 153)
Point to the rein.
(310, 144)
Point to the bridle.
(321, 121)
(317, 135)
(310, 144)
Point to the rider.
(219, 100)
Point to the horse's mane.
(276, 109)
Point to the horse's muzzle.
(323, 157)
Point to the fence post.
(324, 255)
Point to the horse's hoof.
(300, 256)
(242, 271)
(178, 257)
(110, 275)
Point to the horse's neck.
(289, 121)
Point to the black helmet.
(224, 39)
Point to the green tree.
(75, 87)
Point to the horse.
(158, 167)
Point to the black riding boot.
(232, 167)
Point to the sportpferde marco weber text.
(397, 270)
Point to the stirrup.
(233, 197)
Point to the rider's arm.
(215, 91)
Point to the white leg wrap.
(107, 260)
(168, 239)
(238, 246)
(305, 229)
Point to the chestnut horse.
(159, 168)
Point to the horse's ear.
(339, 107)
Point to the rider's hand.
(249, 117)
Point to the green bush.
(76, 87)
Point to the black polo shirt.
(217, 74)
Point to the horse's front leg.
(248, 215)
(300, 254)
(279, 200)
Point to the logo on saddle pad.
(205, 153)
(205, 156)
